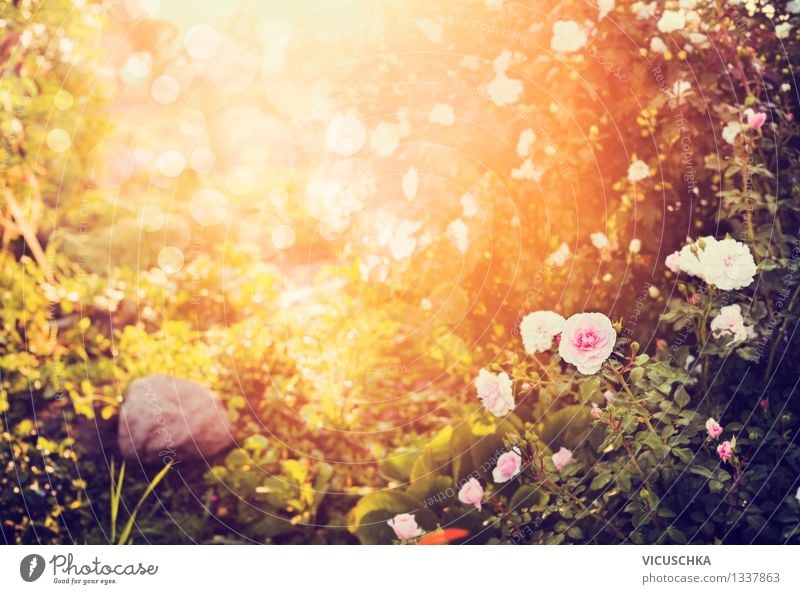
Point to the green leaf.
(682, 397)
(566, 427)
(435, 457)
(398, 466)
(701, 471)
(676, 535)
(575, 532)
(125, 534)
(685, 455)
(601, 480)
(432, 486)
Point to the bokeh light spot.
(345, 135)
(283, 237)
(63, 100)
(202, 41)
(208, 207)
(150, 218)
(170, 259)
(165, 89)
(59, 140)
(171, 163)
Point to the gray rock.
(165, 419)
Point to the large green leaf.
(567, 427)
(398, 466)
(433, 489)
(436, 456)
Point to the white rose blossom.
(605, 6)
(458, 234)
(526, 140)
(638, 170)
(538, 329)
(599, 240)
(782, 30)
(568, 37)
(658, 46)
(671, 21)
(730, 323)
(503, 90)
(731, 131)
(728, 265)
(689, 256)
(560, 256)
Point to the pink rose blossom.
(562, 457)
(725, 451)
(405, 526)
(471, 493)
(508, 466)
(596, 412)
(764, 404)
(756, 119)
(494, 392)
(587, 341)
(714, 429)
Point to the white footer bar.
(235, 569)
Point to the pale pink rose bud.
(673, 262)
(725, 451)
(609, 396)
(756, 119)
(596, 412)
(764, 404)
(508, 466)
(714, 429)
(587, 341)
(405, 526)
(562, 457)
(471, 493)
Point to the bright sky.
(323, 15)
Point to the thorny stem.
(645, 482)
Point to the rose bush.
(633, 453)
(555, 298)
